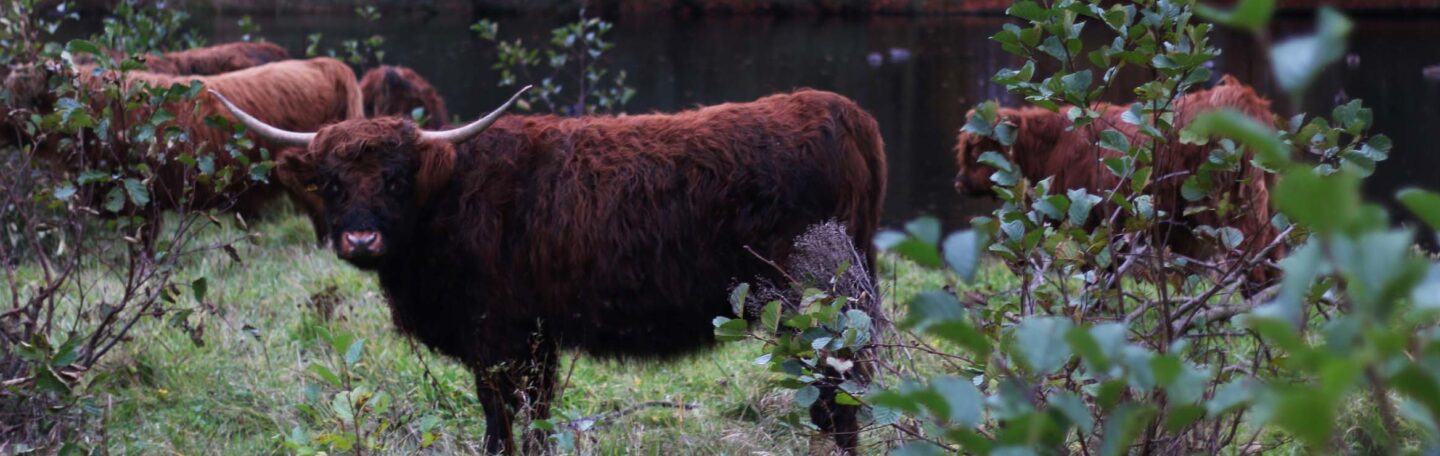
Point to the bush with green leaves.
(366, 52)
(88, 255)
(1102, 344)
(571, 78)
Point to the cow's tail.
(864, 144)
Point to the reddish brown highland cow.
(1045, 146)
(205, 61)
(397, 91)
(298, 94)
(619, 236)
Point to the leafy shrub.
(88, 252)
(576, 83)
(366, 52)
(1105, 345)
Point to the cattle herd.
(505, 240)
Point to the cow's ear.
(437, 163)
(294, 169)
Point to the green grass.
(247, 387)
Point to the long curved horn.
(462, 134)
(276, 135)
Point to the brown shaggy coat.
(296, 94)
(1044, 148)
(397, 91)
(619, 236)
(204, 61)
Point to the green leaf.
(1230, 396)
(1229, 123)
(978, 125)
(806, 396)
(1041, 343)
(1076, 85)
(1073, 408)
(926, 229)
(932, 307)
(1296, 62)
(1379, 270)
(1053, 206)
(995, 160)
(64, 191)
(737, 298)
(1310, 418)
(137, 191)
(1123, 426)
(82, 47)
(1230, 237)
(919, 448)
(962, 333)
(1249, 14)
(1322, 203)
(1054, 48)
(1178, 417)
(1028, 10)
(727, 329)
(355, 351)
(770, 318)
(198, 288)
(1426, 296)
(325, 374)
(92, 176)
(115, 199)
(1425, 205)
(911, 247)
(1098, 346)
(963, 398)
(343, 407)
(1080, 204)
(962, 252)
(1183, 382)
(1420, 386)
(1114, 140)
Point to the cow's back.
(625, 233)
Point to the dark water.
(917, 76)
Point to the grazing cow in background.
(205, 61)
(1046, 146)
(397, 91)
(299, 94)
(618, 236)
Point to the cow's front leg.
(539, 391)
(523, 385)
(493, 389)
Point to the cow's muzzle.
(361, 245)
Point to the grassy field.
(248, 385)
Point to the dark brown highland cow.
(1044, 148)
(212, 60)
(397, 91)
(619, 236)
(298, 94)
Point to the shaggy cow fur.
(619, 236)
(397, 91)
(298, 94)
(205, 61)
(1044, 148)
